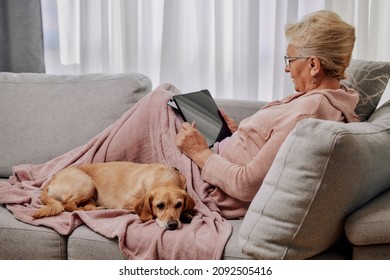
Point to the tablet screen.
(200, 107)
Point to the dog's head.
(165, 204)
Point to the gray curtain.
(21, 36)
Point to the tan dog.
(150, 190)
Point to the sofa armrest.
(323, 172)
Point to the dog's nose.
(172, 225)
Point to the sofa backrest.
(43, 116)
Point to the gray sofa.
(325, 197)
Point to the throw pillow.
(369, 79)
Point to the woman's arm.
(243, 182)
(193, 144)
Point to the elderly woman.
(319, 51)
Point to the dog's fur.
(150, 190)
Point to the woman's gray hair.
(325, 35)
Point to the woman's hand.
(193, 144)
(232, 124)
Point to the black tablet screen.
(200, 107)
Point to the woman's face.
(299, 69)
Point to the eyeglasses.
(289, 59)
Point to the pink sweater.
(238, 171)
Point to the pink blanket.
(144, 134)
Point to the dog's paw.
(186, 216)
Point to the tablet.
(200, 107)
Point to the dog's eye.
(179, 204)
(160, 206)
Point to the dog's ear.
(188, 212)
(183, 181)
(143, 207)
(189, 203)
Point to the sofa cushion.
(43, 116)
(371, 224)
(372, 252)
(85, 244)
(21, 241)
(369, 78)
(323, 172)
(232, 249)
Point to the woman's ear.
(143, 207)
(315, 65)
